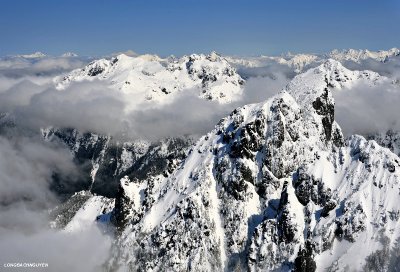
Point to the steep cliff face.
(104, 161)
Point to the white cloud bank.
(27, 164)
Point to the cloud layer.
(27, 91)
(91, 106)
(365, 110)
(26, 168)
(27, 163)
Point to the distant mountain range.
(296, 61)
(301, 61)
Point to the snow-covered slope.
(96, 208)
(273, 187)
(330, 74)
(147, 77)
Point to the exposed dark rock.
(325, 107)
(352, 222)
(286, 228)
(94, 71)
(307, 189)
(124, 210)
(304, 262)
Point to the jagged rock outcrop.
(127, 201)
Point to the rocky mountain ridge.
(154, 79)
(274, 187)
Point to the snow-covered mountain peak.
(231, 173)
(338, 76)
(69, 55)
(393, 51)
(358, 55)
(267, 189)
(151, 78)
(299, 61)
(33, 55)
(213, 56)
(201, 61)
(330, 75)
(149, 57)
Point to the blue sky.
(99, 27)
